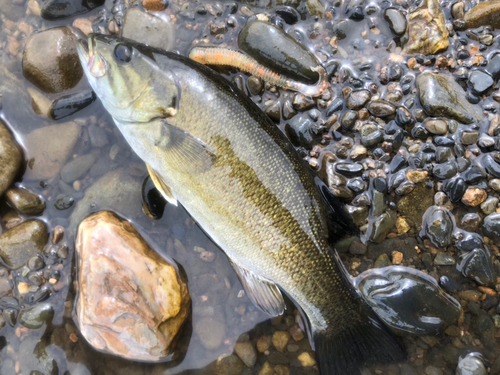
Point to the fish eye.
(123, 53)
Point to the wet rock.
(358, 99)
(349, 169)
(126, 291)
(445, 170)
(10, 158)
(210, 332)
(491, 226)
(381, 108)
(24, 201)
(116, 190)
(154, 5)
(388, 290)
(436, 126)
(485, 141)
(68, 104)
(48, 148)
(77, 167)
(443, 259)
(489, 205)
(37, 316)
(480, 82)
(273, 48)
(494, 66)
(474, 197)
(380, 226)
(246, 352)
(148, 29)
(427, 33)
(441, 96)
(230, 365)
(484, 14)
(455, 188)
(471, 364)
(56, 71)
(477, 266)
(396, 20)
(371, 135)
(20, 243)
(303, 131)
(471, 221)
(59, 9)
(437, 225)
(491, 165)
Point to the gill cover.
(128, 80)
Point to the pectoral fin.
(189, 153)
(262, 292)
(165, 191)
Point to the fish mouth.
(95, 63)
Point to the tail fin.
(347, 351)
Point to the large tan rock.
(11, 157)
(131, 302)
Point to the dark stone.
(348, 119)
(336, 105)
(491, 166)
(480, 81)
(59, 9)
(455, 188)
(444, 141)
(381, 108)
(380, 184)
(302, 131)
(273, 48)
(397, 163)
(491, 226)
(289, 14)
(356, 184)
(69, 104)
(494, 66)
(445, 170)
(349, 169)
(357, 99)
(403, 117)
(463, 164)
(437, 225)
(473, 175)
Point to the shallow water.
(218, 301)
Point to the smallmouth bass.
(209, 147)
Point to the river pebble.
(55, 72)
(20, 243)
(24, 201)
(11, 157)
(148, 29)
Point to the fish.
(208, 147)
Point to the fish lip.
(82, 48)
(96, 65)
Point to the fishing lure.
(245, 63)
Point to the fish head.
(125, 76)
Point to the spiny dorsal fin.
(165, 191)
(262, 292)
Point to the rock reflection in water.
(407, 300)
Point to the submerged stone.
(471, 364)
(131, 302)
(20, 243)
(441, 96)
(408, 300)
(273, 48)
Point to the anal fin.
(262, 292)
(165, 191)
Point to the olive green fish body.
(211, 148)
